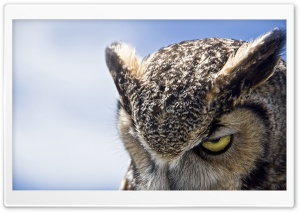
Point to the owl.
(204, 114)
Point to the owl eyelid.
(221, 132)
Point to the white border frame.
(13, 198)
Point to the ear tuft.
(269, 44)
(252, 64)
(124, 69)
(123, 56)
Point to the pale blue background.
(64, 100)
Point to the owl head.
(203, 114)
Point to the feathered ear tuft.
(123, 65)
(123, 56)
(250, 66)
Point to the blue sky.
(64, 100)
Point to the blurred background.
(64, 99)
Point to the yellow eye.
(217, 145)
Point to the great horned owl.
(203, 114)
